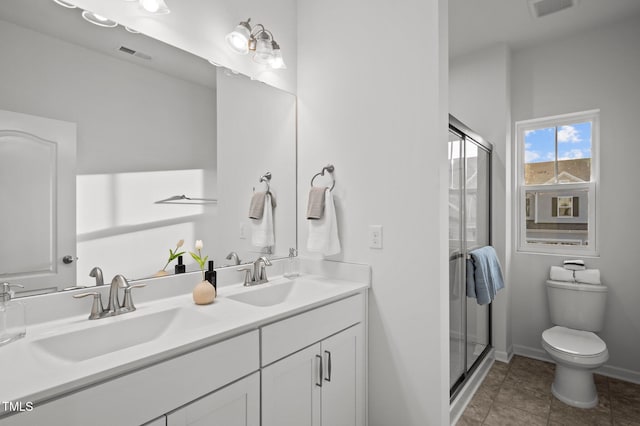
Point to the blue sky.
(574, 141)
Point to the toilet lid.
(576, 342)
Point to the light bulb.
(277, 61)
(99, 20)
(238, 39)
(65, 4)
(150, 5)
(264, 51)
(158, 7)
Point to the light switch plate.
(375, 236)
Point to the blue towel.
(484, 276)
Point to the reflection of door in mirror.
(37, 195)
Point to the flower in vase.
(198, 257)
(174, 254)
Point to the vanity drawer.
(292, 334)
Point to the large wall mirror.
(149, 124)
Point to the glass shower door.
(457, 295)
(477, 233)
(469, 228)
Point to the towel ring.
(329, 168)
(266, 178)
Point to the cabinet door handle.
(321, 374)
(328, 378)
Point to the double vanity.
(287, 352)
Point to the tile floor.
(519, 393)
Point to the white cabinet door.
(38, 199)
(235, 405)
(343, 379)
(291, 390)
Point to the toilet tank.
(575, 305)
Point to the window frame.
(591, 187)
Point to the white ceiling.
(476, 24)
(65, 24)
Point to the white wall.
(595, 69)
(256, 134)
(479, 96)
(374, 105)
(200, 26)
(142, 136)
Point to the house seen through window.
(557, 179)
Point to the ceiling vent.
(134, 53)
(540, 8)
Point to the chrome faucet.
(257, 274)
(114, 307)
(260, 270)
(234, 256)
(96, 273)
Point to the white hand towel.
(323, 232)
(558, 273)
(589, 276)
(262, 234)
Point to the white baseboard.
(504, 356)
(620, 373)
(605, 370)
(458, 405)
(529, 352)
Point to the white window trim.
(520, 203)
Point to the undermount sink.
(271, 294)
(117, 333)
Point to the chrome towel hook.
(329, 168)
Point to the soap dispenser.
(291, 267)
(12, 315)
(210, 275)
(180, 268)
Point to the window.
(557, 177)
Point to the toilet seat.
(575, 346)
(574, 342)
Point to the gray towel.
(315, 206)
(256, 208)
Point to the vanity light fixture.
(258, 40)
(99, 20)
(65, 4)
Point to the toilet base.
(575, 386)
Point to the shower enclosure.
(469, 228)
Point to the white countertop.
(30, 374)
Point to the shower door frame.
(466, 134)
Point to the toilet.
(577, 311)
